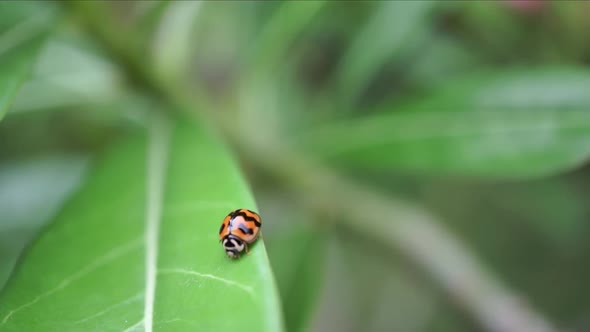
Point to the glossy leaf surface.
(147, 258)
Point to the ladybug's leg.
(247, 249)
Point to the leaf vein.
(114, 306)
(22, 32)
(99, 262)
(134, 326)
(243, 287)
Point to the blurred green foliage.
(23, 29)
(477, 111)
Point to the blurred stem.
(123, 46)
(401, 226)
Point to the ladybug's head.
(233, 246)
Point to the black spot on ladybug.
(254, 213)
(248, 218)
(256, 222)
(245, 230)
(222, 228)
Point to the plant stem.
(407, 228)
(398, 225)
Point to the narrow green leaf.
(138, 249)
(172, 42)
(505, 125)
(444, 57)
(23, 28)
(68, 75)
(504, 143)
(392, 30)
(258, 89)
(284, 26)
(547, 88)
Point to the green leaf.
(265, 60)
(286, 23)
(23, 28)
(172, 42)
(444, 57)
(138, 248)
(391, 31)
(517, 88)
(68, 75)
(31, 192)
(508, 125)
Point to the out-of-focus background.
(475, 112)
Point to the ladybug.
(239, 228)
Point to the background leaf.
(23, 28)
(149, 255)
(287, 21)
(31, 192)
(428, 93)
(297, 255)
(512, 124)
(516, 88)
(404, 23)
(68, 74)
(171, 55)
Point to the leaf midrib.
(157, 162)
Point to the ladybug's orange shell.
(241, 223)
